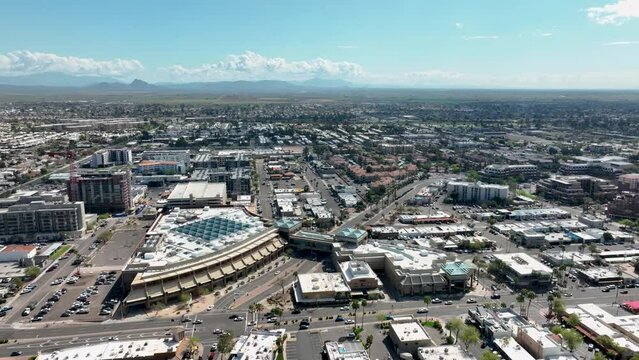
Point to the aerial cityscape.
(319, 180)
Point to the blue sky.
(473, 43)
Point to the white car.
(239, 318)
(349, 321)
(251, 323)
(209, 308)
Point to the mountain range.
(60, 82)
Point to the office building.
(629, 182)
(159, 167)
(102, 191)
(41, 221)
(318, 288)
(467, 192)
(625, 206)
(574, 189)
(499, 171)
(257, 345)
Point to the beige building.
(320, 288)
(408, 335)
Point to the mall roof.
(456, 268)
(352, 233)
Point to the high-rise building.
(110, 157)
(102, 191)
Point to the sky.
(580, 44)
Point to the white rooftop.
(322, 282)
(445, 352)
(356, 269)
(409, 331)
(198, 190)
(523, 263)
(401, 257)
(258, 345)
(114, 350)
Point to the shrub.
(450, 340)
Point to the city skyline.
(545, 44)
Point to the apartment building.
(182, 157)
(222, 160)
(629, 182)
(469, 192)
(162, 167)
(40, 220)
(102, 191)
(238, 180)
(110, 157)
(574, 189)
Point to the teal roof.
(286, 223)
(212, 228)
(351, 233)
(456, 268)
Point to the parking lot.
(115, 253)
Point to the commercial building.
(410, 271)
(625, 206)
(102, 191)
(347, 199)
(16, 253)
(221, 160)
(444, 352)
(351, 236)
(345, 350)
(557, 258)
(359, 275)
(139, 349)
(41, 221)
(467, 192)
(408, 335)
(312, 241)
(237, 180)
(257, 345)
(317, 288)
(438, 217)
(538, 214)
(499, 171)
(607, 166)
(27, 197)
(110, 157)
(197, 194)
(595, 322)
(523, 271)
(189, 250)
(574, 189)
(541, 344)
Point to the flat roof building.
(41, 221)
(408, 335)
(197, 194)
(102, 191)
(522, 270)
(468, 192)
(346, 350)
(257, 345)
(359, 275)
(321, 288)
(444, 352)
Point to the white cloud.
(27, 62)
(347, 47)
(459, 25)
(544, 34)
(434, 76)
(481, 37)
(253, 66)
(615, 13)
(622, 43)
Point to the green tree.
(469, 335)
(573, 319)
(369, 341)
(427, 300)
(472, 175)
(572, 338)
(277, 311)
(627, 223)
(530, 296)
(607, 237)
(600, 356)
(521, 299)
(488, 355)
(32, 272)
(456, 325)
(185, 298)
(225, 344)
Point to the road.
(56, 335)
(320, 186)
(43, 290)
(265, 192)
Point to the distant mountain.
(242, 86)
(136, 85)
(325, 83)
(53, 79)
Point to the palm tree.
(355, 306)
(428, 300)
(258, 308)
(521, 298)
(530, 295)
(364, 305)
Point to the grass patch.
(59, 252)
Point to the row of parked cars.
(46, 307)
(82, 302)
